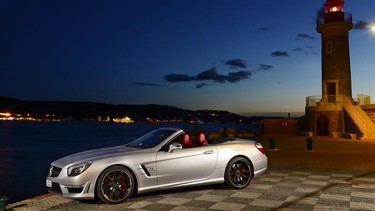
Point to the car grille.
(55, 188)
(54, 171)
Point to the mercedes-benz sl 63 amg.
(162, 159)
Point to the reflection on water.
(6, 159)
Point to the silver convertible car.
(162, 159)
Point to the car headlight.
(78, 169)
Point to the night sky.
(241, 56)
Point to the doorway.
(322, 126)
(331, 92)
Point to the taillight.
(259, 147)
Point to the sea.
(28, 148)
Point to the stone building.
(336, 113)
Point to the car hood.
(95, 154)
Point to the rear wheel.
(115, 185)
(238, 173)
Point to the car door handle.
(208, 152)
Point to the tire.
(238, 173)
(115, 185)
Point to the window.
(329, 47)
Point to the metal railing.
(335, 100)
(347, 19)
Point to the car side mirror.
(173, 146)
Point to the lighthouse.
(336, 113)
(334, 28)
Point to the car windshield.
(151, 139)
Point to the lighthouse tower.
(335, 113)
(334, 28)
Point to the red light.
(259, 147)
(284, 124)
(334, 6)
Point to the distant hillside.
(90, 110)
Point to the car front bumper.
(85, 191)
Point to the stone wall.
(281, 127)
(333, 114)
(339, 122)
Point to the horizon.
(249, 114)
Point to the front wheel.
(115, 185)
(238, 173)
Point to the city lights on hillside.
(8, 116)
(123, 120)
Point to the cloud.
(235, 63)
(279, 54)
(201, 85)
(232, 77)
(304, 37)
(145, 84)
(360, 25)
(265, 67)
(209, 75)
(298, 49)
(177, 78)
(263, 29)
(307, 50)
(237, 76)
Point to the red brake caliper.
(243, 170)
(123, 183)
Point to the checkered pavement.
(273, 190)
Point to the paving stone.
(272, 191)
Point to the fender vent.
(145, 170)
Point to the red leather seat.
(185, 141)
(201, 139)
